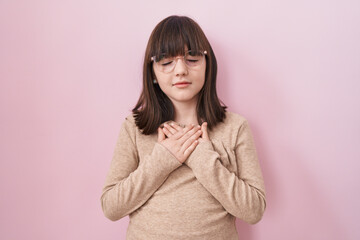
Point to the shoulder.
(234, 119)
(130, 119)
(236, 123)
(227, 130)
(128, 127)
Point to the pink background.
(70, 72)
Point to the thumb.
(161, 135)
(204, 131)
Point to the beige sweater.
(199, 199)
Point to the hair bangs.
(174, 36)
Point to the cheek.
(160, 78)
(201, 77)
(163, 82)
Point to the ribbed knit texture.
(198, 199)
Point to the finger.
(191, 139)
(205, 134)
(188, 134)
(170, 128)
(190, 149)
(167, 132)
(183, 131)
(161, 135)
(176, 126)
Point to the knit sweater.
(198, 199)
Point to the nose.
(180, 67)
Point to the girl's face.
(183, 83)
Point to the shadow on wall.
(301, 205)
(225, 90)
(297, 206)
(244, 230)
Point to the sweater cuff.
(201, 150)
(163, 159)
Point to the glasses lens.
(165, 63)
(194, 58)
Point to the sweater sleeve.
(242, 195)
(129, 184)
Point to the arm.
(129, 184)
(242, 195)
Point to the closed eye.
(167, 63)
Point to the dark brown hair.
(170, 36)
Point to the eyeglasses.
(167, 64)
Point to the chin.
(185, 99)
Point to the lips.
(181, 84)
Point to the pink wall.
(70, 71)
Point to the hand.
(205, 136)
(174, 128)
(181, 142)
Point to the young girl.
(183, 166)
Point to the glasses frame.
(153, 59)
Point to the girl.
(183, 166)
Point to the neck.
(185, 113)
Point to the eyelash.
(165, 64)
